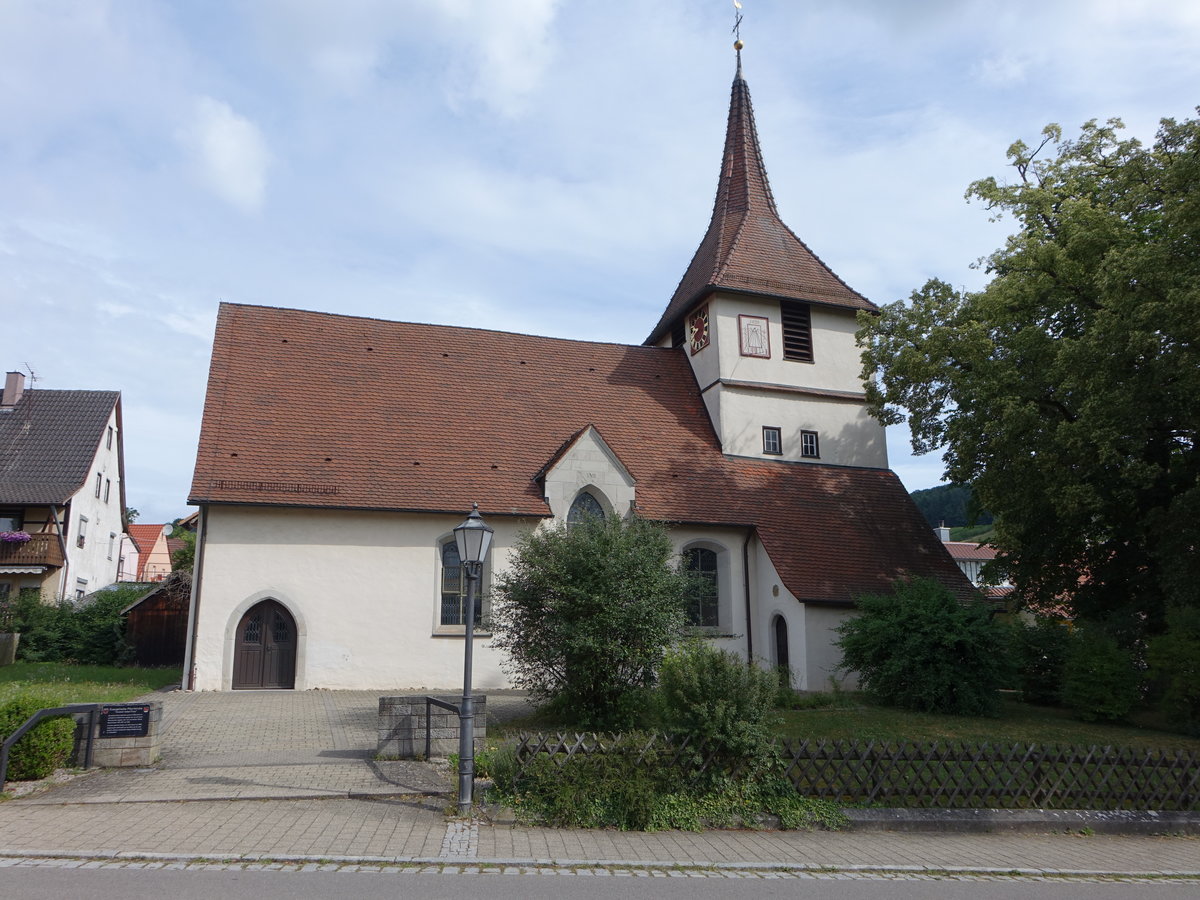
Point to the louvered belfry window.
(797, 331)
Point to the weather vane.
(737, 26)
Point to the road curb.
(1027, 821)
(475, 863)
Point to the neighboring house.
(62, 483)
(153, 553)
(337, 454)
(971, 558)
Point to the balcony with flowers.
(20, 548)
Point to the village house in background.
(971, 557)
(147, 555)
(337, 454)
(62, 490)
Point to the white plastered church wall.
(847, 434)
(812, 656)
(364, 588)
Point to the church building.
(337, 454)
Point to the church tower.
(767, 326)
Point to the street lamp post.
(473, 538)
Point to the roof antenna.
(33, 379)
(737, 34)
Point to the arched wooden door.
(264, 652)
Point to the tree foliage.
(586, 612)
(920, 648)
(1174, 660)
(953, 505)
(1067, 391)
(1101, 681)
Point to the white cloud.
(1003, 69)
(231, 152)
(505, 48)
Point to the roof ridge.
(438, 325)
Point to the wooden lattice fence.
(946, 775)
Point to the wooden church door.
(265, 649)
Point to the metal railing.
(429, 703)
(78, 708)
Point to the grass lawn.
(1018, 723)
(57, 684)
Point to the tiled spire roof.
(747, 248)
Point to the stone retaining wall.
(402, 727)
(118, 752)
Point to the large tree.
(1067, 391)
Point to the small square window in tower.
(797, 331)
(772, 440)
(808, 445)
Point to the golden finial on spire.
(737, 26)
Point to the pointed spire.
(747, 248)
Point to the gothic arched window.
(454, 588)
(703, 598)
(585, 507)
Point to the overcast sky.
(527, 165)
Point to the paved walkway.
(281, 775)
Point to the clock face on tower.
(698, 330)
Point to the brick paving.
(284, 779)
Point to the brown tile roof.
(747, 248)
(48, 441)
(970, 550)
(144, 536)
(321, 410)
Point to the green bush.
(920, 648)
(1100, 680)
(90, 633)
(1174, 659)
(42, 750)
(1041, 652)
(714, 697)
(585, 614)
(630, 788)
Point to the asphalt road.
(52, 883)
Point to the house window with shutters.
(797, 331)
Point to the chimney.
(943, 532)
(14, 387)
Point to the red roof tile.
(747, 248)
(144, 536)
(321, 410)
(970, 550)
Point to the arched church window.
(585, 507)
(703, 598)
(454, 588)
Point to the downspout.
(746, 586)
(189, 659)
(62, 545)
